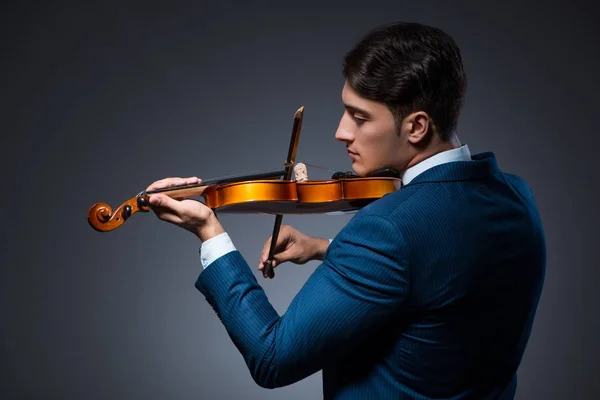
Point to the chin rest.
(380, 173)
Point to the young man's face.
(369, 131)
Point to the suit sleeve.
(362, 282)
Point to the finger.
(271, 271)
(282, 241)
(268, 268)
(268, 271)
(263, 265)
(264, 254)
(192, 180)
(163, 183)
(281, 257)
(165, 203)
(175, 181)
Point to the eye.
(358, 119)
(357, 116)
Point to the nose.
(344, 131)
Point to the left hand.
(189, 214)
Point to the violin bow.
(268, 270)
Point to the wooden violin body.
(293, 197)
(265, 196)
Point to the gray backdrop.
(99, 101)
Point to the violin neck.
(198, 189)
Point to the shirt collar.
(461, 153)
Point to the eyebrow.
(356, 110)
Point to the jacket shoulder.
(400, 202)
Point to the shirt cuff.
(214, 248)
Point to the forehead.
(349, 94)
(355, 101)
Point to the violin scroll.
(102, 218)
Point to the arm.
(361, 283)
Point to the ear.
(417, 127)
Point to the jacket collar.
(461, 153)
(482, 165)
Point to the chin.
(359, 170)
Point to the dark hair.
(410, 67)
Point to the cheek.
(383, 147)
(381, 142)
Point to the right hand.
(294, 246)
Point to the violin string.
(224, 177)
(320, 167)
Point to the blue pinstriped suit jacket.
(427, 293)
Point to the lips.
(352, 154)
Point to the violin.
(273, 193)
(248, 195)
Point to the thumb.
(280, 257)
(164, 201)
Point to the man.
(427, 293)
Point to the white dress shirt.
(220, 245)
(459, 154)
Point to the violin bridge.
(300, 172)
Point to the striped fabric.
(427, 293)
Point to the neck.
(434, 147)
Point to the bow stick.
(268, 270)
